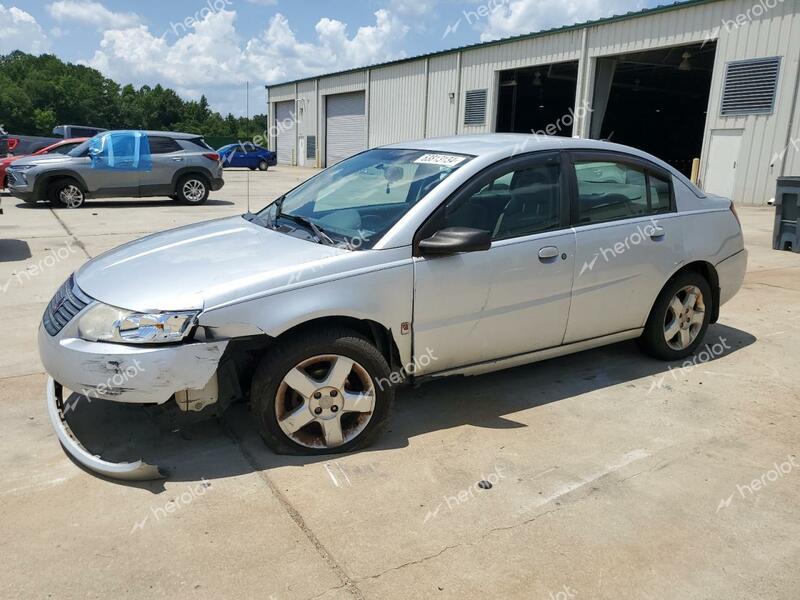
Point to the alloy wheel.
(71, 196)
(194, 190)
(685, 317)
(325, 401)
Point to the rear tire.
(66, 193)
(358, 395)
(679, 319)
(193, 189)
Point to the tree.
(39, 92)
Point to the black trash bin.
(786, 233)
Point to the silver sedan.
(419, 260)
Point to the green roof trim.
(524, 36)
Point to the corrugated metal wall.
(397, 103)
(442, 109)
(398, 110)
(775, 34)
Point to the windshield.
(80, 150)
(358, 200)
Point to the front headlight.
(103, 323)
(21, 171)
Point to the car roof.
(509, 144)
(175, 135)
(498, 146)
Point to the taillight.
(212, 156)
(733, 210)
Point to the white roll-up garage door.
(286, 137)
(346, 126)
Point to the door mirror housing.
(452, 240)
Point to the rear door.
(628, 241)
(167, 157)
(513, 298)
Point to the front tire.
(66, 193)
(679, 319)
(325, 393)
(263, 165)
(193, 189)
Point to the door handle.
(657, 233)
(548, 252)
(176, 159)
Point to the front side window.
(522, 201)
(608, 191)
(362, 197)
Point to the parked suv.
(453, 256)
(121, 164)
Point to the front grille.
(12, 179)
(65, 305)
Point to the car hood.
(43, 160)
(4, 162)
(203, 265)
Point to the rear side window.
(660, 194)
(196, 144)
(163, 145)
(610, 191)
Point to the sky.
(213, 47)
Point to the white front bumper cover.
(134, 471)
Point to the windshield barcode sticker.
(443, 160)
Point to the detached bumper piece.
(133, 471)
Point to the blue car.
(247, 155)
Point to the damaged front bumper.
(126, 374)
(134, 471)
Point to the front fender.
(383, 294)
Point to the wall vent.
(750, 87)
(311, 147)
(475, 107)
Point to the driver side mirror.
(452, 240)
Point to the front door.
(114, 163)
(513, 298)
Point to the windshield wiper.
(322, 237)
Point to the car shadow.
(231, 446)
(14, 250)
(126, 204)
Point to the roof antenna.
(247, 111)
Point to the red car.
(61, 147)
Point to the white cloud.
(515, 17)
(263, 2)
(19, 30)
(211, 59)
(91, 13)
(413, 8)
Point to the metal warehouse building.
(710, 79)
